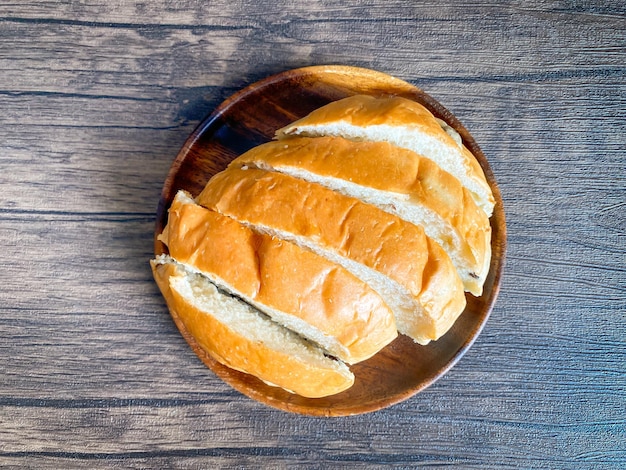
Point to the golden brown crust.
(364, 111)
(345, 225)
(386, 167)
(283, 277)
(240, 353)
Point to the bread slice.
(240, 337)
(410, 271)
(402, 122)
(297, 288)
(395, 180)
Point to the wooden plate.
(249, 118)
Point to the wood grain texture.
(98, 97)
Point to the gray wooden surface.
(96, 99)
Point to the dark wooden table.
(96, 99)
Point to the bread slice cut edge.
(356, 118)
(242, 338)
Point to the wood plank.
(202, 53)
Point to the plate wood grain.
(249, 118)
